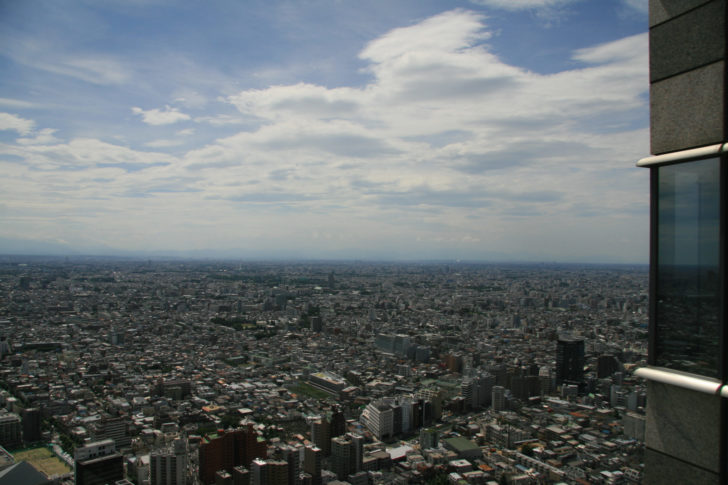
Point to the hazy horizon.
(481, 130)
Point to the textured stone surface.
(684, 424)
(662, 10)
(661, 469)
(689, 41)
(687, 110)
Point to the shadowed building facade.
(687, 395)
(569, 360)
(229, 450)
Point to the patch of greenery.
(206, 428)
(439, 479)
(307, 389)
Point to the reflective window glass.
(688, 283)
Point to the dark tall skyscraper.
(337, 423)
(31, 425)
(569, 360)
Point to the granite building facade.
(687, 410)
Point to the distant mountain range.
(28, 247)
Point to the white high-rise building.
(169, 466)
(378, 417)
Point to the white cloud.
(447, 144)
(17, 103)
(172, 142)
(10, 121)
(96, 70)
(444, 125)
(189, 98)
(522, 4)
(301, 99)
(219, 120)
(156, 116)
(630, 49)
(164, 143)
(445, 33)
(42, 137)
(39, 52)
(84, 153)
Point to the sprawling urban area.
(308, 373)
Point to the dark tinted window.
(688, 289)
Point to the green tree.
(67, 444)
(439, 479)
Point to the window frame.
(720, 152)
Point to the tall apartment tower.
(687, 391)
(241, 475)
(10, 436)
(228, 450)
(347, 454)
(378, 417)
(321, 435)
(312, 458)
(169, 466)
(341, 456)
(569, 360)
(292, 456)
(498, 398)
(268, 472)
(258, 472)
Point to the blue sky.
(423, 129)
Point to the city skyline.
(482, 130)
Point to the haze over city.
(480, 130)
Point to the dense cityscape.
(306, 373)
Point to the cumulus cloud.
(444, 139)
(301, 99)
(165, 116)
(444, 125)
(13, 122)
